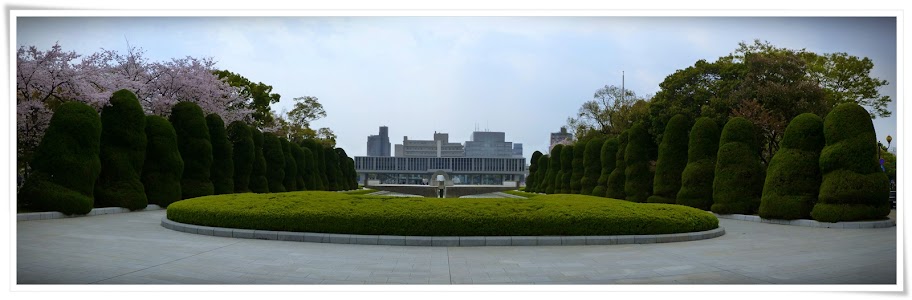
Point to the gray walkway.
(133, 248)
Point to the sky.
(418, 75)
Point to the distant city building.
(379, 145)
(563, 137)
(440, 146)
(517, 149)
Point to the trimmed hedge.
(544, 164)
(697, 178)
(333, 172)
(242, 150)
(66, 163)
(739, 176)
(533, 168)
(638, 178)
(122, 153)
(195, 149)
(793, 176)
(592, 165)
(671, 162)
(566, 169)
(521, 193)
(161, 173)
(607, 157)
(853, 187)
(258, 181)
(291, 167)
(222, 172)
(552, 183)
(301, 163)
(576, 175)
(310, 170)
(316, 149)
(617, 179)
(546, 215)
(275, 162)
(347, 165)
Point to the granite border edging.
(811, 223)
(95, 211)
(441, 241)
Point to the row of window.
(446, 163)
(457, 179)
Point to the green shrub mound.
(301, 162)
(122, 153)
(853, 187)
(163, 167)
(66, 164)
(552, 184)
(671, 162)
(533, 168)
(222, 172)
(607, 157)
(258, 181)
(316, 149)
(275, 162)
(697, 178)
(544, 163)
(353, 174)
(738, 183)
(291, 167)
(566, 169)
(349, 179)
(592, 165)
(545, 215)
(638, 178)
(195, 149)
(617, 179)
(311, 179)
(333, 169)
(576, 175)
(242, 151)
(793, 176)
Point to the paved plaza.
(132, 248)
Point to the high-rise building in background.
(563, 137)
(517, 149)
(379, 145)
(440, 146)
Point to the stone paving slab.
(94, 212)
(812, 223)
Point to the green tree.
(638, 178)
(291, 167)
(793, 177)
(533, 168)
(258, 181)
(301, 162)
(699, 174)
(552, 185)
(195, 149)
(576, 175)
(317, 151)
(222, 171)
(592, 165)
(617, 179)
(672, 161)
(738, 181)
(608, 113)
(242, 155)
(275, 163)
(349, 180)
(333, 171)
(123, 152)
(259, 97)
(311, 180)
(566, 169)
(163, 166)
(543, 168)
(607, 157)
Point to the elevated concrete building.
(379, 145)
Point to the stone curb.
(441, 241)
(95, 211)
(811, 223)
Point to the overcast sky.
(417, 75)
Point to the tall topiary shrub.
(291, 167)
(242, 150)
(739, 177)
(317, 151)
(333, 171)
(66, 163)
(671, 162)
(222, 171)
(607, 157)
(533, 168)
(566, 169)
(576, 175)
(638, 178)
(552, 185)
(853, 187)
(275, 162)
(697, 179)
(544, 165)
(793, 176)
(195, 149)
(258, 181)
(122, 153)
(163, 166)
(617, 179)
(592, 165)
(301, 163)
(348, 172)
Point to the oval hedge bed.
(328, 212)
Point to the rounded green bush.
(291, 167)
(739, 177)
(333, 173)
(592, 165)
(311, 180)
(258, 181)
(552, 185)
(301, 162)
(853, 188)
(617, 179)
(275, 162)
(222, 172)
(195, 149)
(242, 155)
(349, 175)
(671, 162)
(544, 164)
(638, 178)
(163, 167)
(321, 184)
(697, 178)
(607, 157)
(66, 163)
(793, 176)
(566, 169)
(122, 153)
(533, 168)
(576, 175)
(545, 215)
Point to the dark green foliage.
(592, 165)
(333, 171)
(533, 168)
(195, 149)
(607, 157)
(577, 164)
(853, 186)
(739, 176)
(349, 179)
(566, 169)
(671, 162)
(317, 150)
(275, 162)
(793, 177)
(638, 178)
(310, 170)
(258, 181)
(242, 150)
(66, 163)
(291, 167)
(544, 215)
(353, 175)
(544, 165)
(161, 173)
(552, 184)
(301, 162)
(222, 172)
(123, 152)
(617, 179)
(697, 178)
